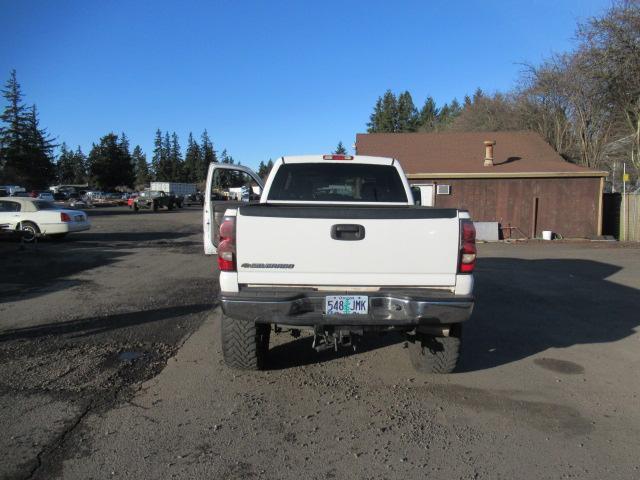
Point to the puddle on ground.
(129, 356)
(559, 366)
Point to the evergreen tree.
(12, 131)
(167, 166)
(71, 166)
(38, 149)
(142, 177)
(407, 115)
(447, 114)
(175, 158)
(428, 116)
(265, 168)
(455, 108)
(26, 151)
(192, 161)
(124, 143)
(375, 119)
(340, 150)
(262, 169)
(226, 158)
(66, 165)
(384, 117)
(126, 162)
(163, 166)
(208, 155)
(389, 119)
(157, 160)
(109, 166)
(79, 167)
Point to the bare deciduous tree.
(610, 46)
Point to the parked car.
(42, 195)
(37, 217)
(337, 246)
(153, 200)
(10, 190)
(131, 199)
(115, 198)
(193, 199)
(79, 203)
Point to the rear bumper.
(389, 308)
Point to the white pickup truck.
(335, 244)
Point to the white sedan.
(38, 217)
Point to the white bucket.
(547, 234)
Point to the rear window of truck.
(337, 182)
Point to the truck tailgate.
(294, 245)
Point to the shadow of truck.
(523, 307)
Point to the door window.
(229, 184)
(9, 206)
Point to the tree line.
(585, 103)
(27, 155)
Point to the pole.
(624, 201)
(534, 218)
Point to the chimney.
(488, 152)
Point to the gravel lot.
(110, 367)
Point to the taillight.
(467, 246)
(64, 217)
(227, 245)
(337, 157)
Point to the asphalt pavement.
(111, 367)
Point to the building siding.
(567, 206)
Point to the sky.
(265, 78)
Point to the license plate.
(347, 305)
(79, 218)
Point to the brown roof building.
(514, 178)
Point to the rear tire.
(431, 354)
(30, 231)
(244, 344)
(155, 207)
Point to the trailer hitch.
(326, 340)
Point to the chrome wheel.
(29, 231)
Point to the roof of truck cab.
(320, 159)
